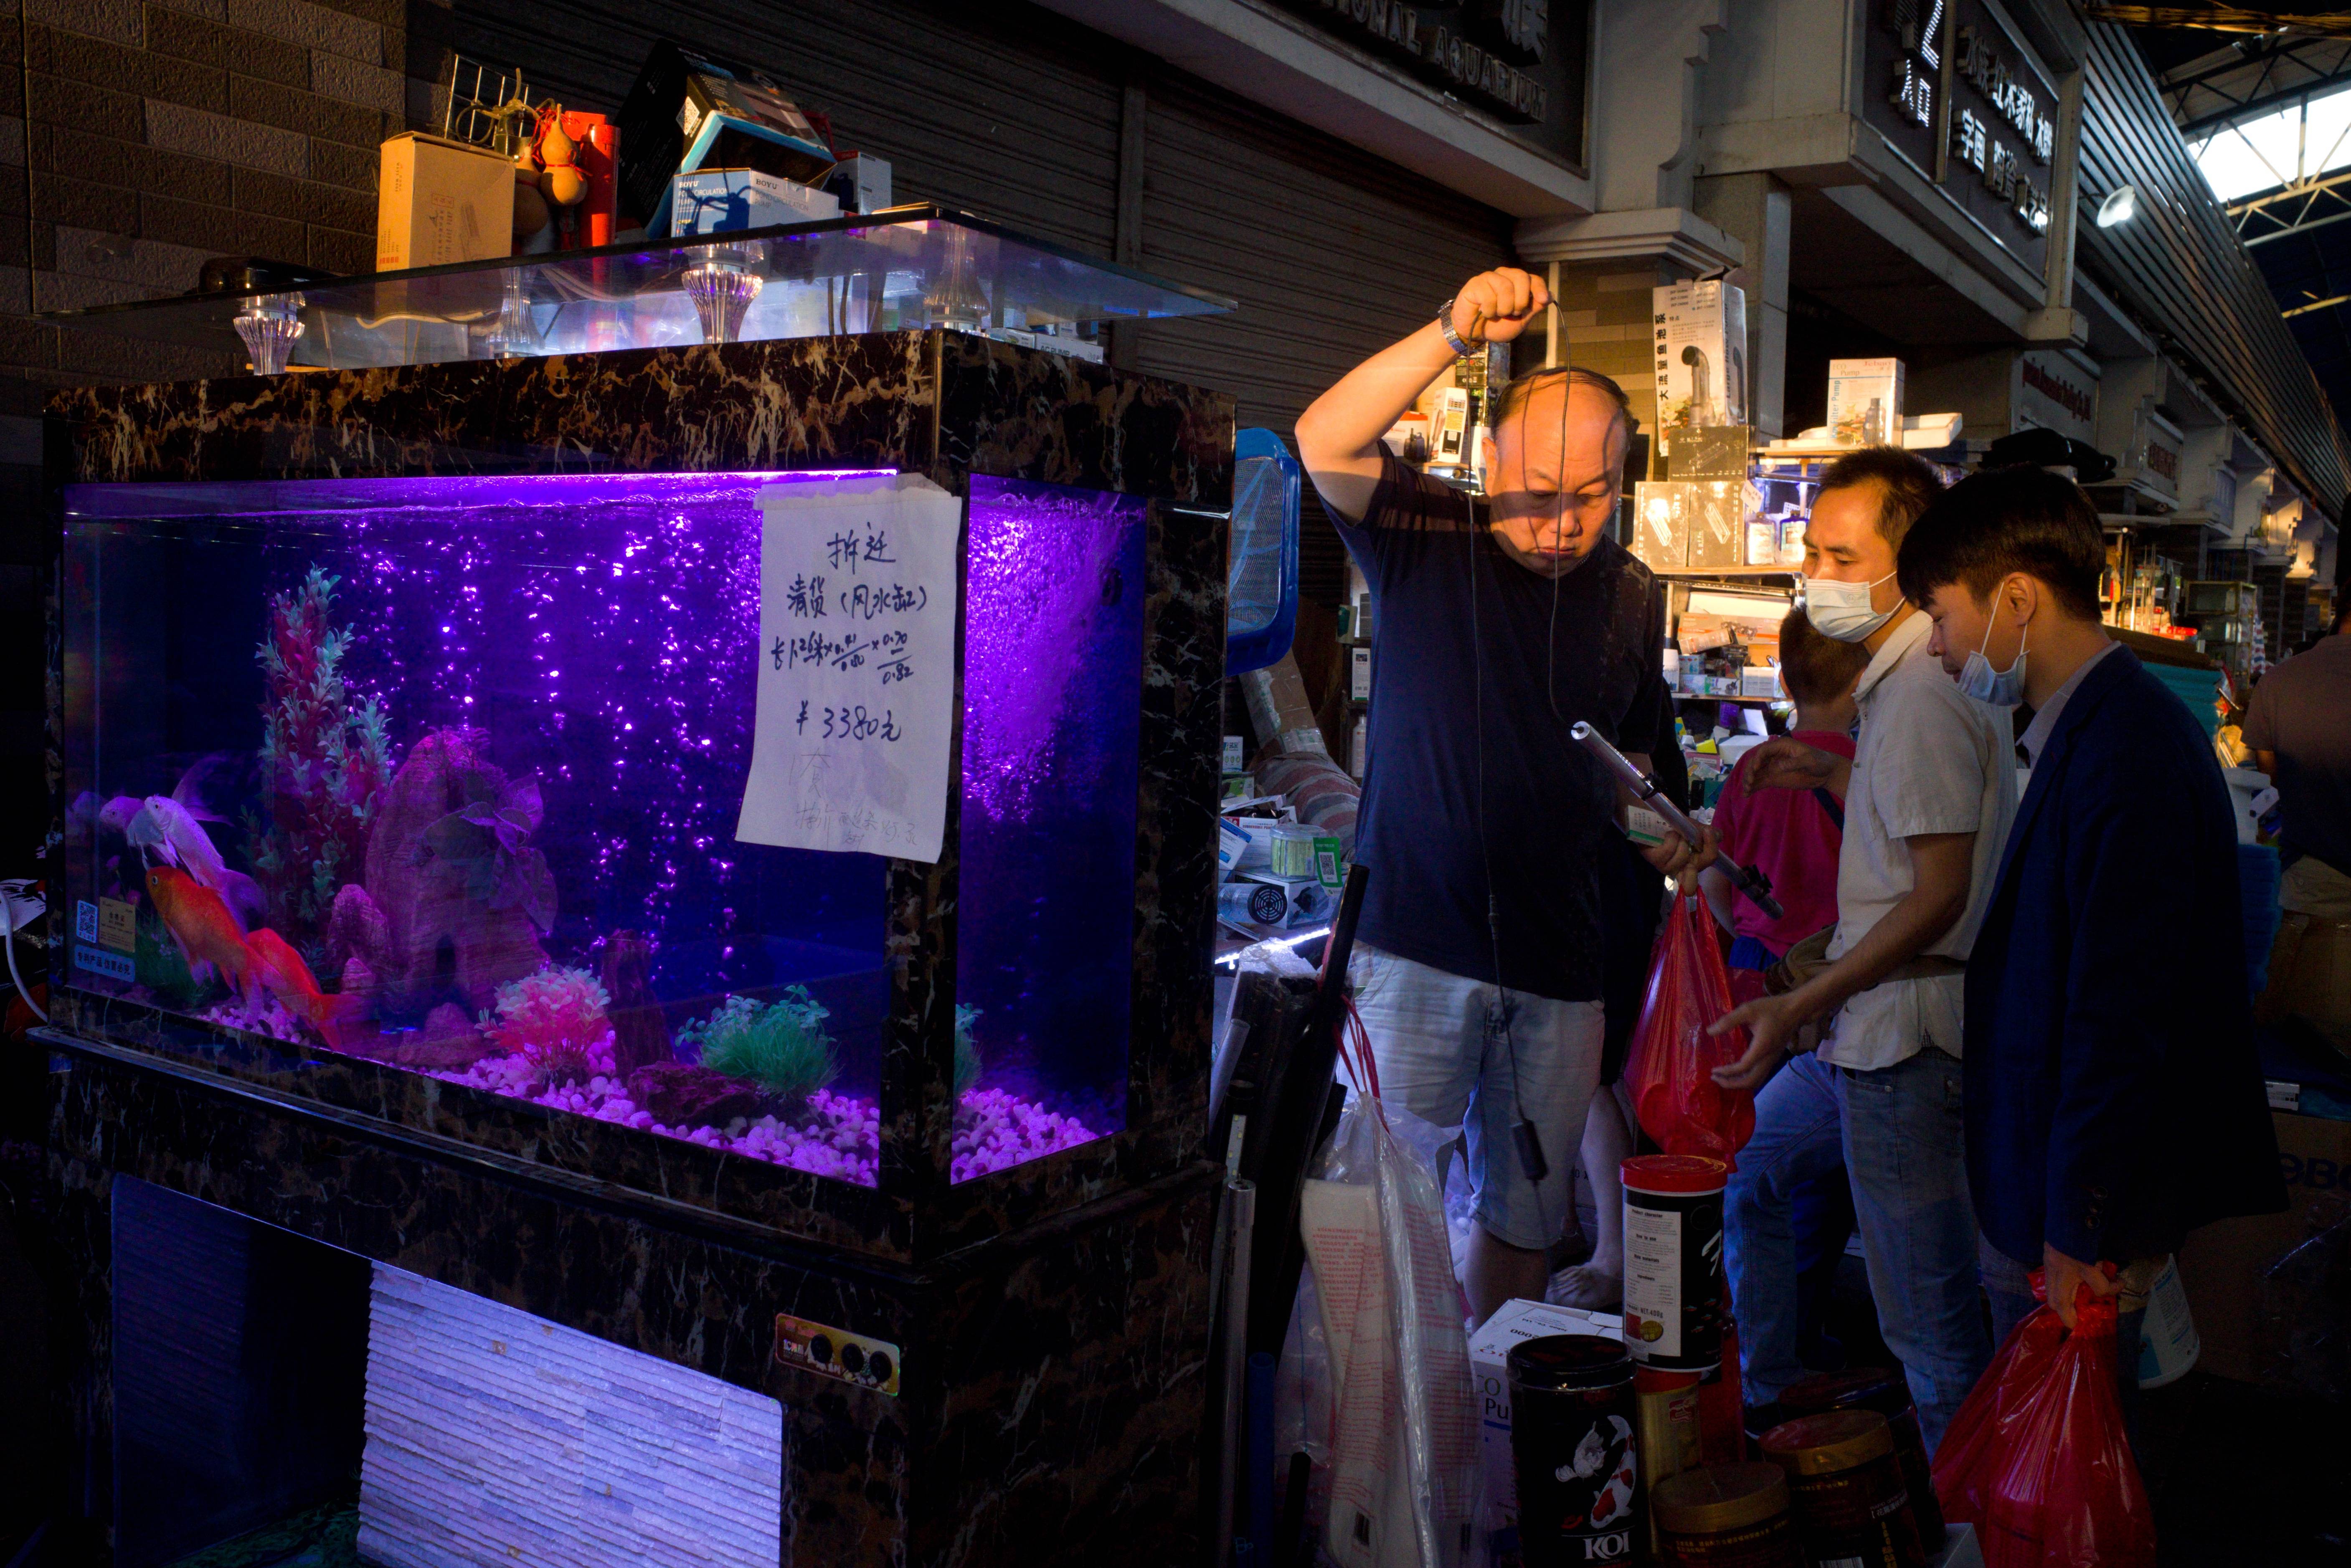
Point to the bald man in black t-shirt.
(1499, 626)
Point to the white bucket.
(2167, 1345)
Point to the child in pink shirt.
(1792, 836)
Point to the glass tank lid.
(910, 266)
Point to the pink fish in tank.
(280, 968)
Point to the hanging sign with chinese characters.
(858, 606)
(1499, 55)
(1954, 90)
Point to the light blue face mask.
(1841, 610)
(2000, 688)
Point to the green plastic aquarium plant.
(783, 1047)
(966, 1055)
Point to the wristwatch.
(1453, 339)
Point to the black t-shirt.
(1549, 807)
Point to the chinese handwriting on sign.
(857, 609)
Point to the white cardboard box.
(714, 201)
(1865, 402)
(1701, 342)
(1489, 1349)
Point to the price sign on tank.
(856, 656)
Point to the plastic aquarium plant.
(967, 1054)
(783, 1047)
(324, 762)
(555, 1020)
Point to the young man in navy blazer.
(2113, 1100)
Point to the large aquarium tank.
(445, 774)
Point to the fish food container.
(1665, 1433)
(1730, 1516)
(1572, 1436)
(1673, 1261)
(1292, 850)
(1851, 1505)
(1887, 1392)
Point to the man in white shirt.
(1928, 796)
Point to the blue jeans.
(1797, 1141)
(1905, 1146)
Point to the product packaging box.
(1707, 451)
(1661, 522)
(1359, 672)
(1700, 333)
(1865, 402)
(860, 183)
(2220, 1267)
(1719, 510)
(439, 202)
(1759, 682)
(714, 201)
(687, 111)
(1490, 1348)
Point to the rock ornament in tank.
(463, 893)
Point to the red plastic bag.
(1670, 1074)
(2037, 1458)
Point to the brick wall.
(140, 138)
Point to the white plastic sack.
(1403, 1433)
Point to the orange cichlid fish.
(199, 921)
(289, 979)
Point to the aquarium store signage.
(1488, 52)
(1954, 90)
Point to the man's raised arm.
(1339, 434)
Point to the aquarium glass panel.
(445, 774)
(1045, 915)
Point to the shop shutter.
(1005, 110)
(1331, 253)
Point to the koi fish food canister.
(1727, 1516)
(1851, 1506)
(1888, 1392)
(1571, 1426)
(1673, 1261)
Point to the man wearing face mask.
(2114, 1100)
(1478, 960)
(1928, 795)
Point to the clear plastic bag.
(1403, 1423)
(1671, 1073)
(2302, 1308)
(2037, 1458)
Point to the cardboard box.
(715, 201)
(689, 112)
(1700, 338)
(2221, 1262)
(1661, 512)
(860, 182)
(1490, 1348)
(1865, 402)
(439, 202)
(1359, 672)
(1717, 529)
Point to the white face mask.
(2000, 688)
(1840, 610)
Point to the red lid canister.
(1675, 1174)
